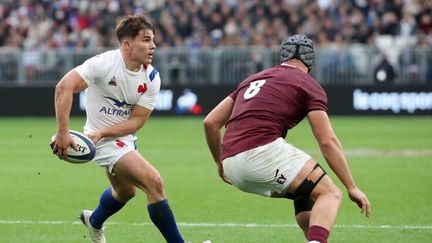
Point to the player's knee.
(130, 194)
(335, 193)
(302, 219)
(126, 194)
(155, 182)
(329, 191)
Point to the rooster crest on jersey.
(298, 47)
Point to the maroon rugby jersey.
(267, 105)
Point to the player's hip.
(110, 150)
(267, 168)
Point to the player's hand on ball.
(222, 174)
(361, 200)
(60, 143)
(73, 147)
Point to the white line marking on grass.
(214, 225)
(366, 152)
(296, 226)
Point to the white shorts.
(265, 169)
(109, 151)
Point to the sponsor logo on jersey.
(124, 109)
(113, 81)
(281, 179)
(118, 103)
(115, 112)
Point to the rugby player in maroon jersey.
(252, 153)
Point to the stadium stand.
(213, 41)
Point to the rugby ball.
(86, 149)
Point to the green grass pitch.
(41, 196)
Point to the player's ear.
(126, 43)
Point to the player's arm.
(70, 84)
(332, 151)
(137, 119)
(213, 124)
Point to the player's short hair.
(298, 47)
(131, 25)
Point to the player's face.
(143, 47)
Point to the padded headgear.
(298, 47)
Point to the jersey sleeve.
(233, 94)
(148, 100)
(316, 98)
(92, 69)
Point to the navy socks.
(162, 216)
(107, 207)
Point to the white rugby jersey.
(113, 90)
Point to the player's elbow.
(210, 123)
(64, 87)
(328, 143)
(59, 88)
(207, 123)
(136, 126)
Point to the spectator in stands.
(425, 24)
(407, 25)
(340, 61)
(180, 18)
(384, 72)
(87, 24)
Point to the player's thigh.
(136, 169)
(305, 171)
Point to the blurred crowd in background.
(394, 27)
(203, 23)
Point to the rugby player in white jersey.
(121, 88)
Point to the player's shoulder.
(263, 74)
(148, 68)
(106, 59)
(151, 72)
(308, 79)
(109, 56)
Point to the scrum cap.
(298, 47)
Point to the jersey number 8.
(254, 88)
